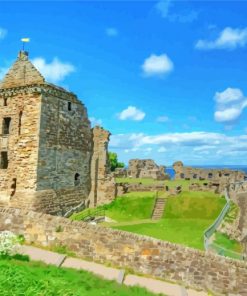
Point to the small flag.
(25, 39)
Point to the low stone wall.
(54, 202)
(126, 250)
(123, 188)
(208, 187)
(144, 187)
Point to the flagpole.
(24, 40)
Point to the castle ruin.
(143, 168)
(50, 158)
(217, 175)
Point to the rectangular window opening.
(6, 125)
(19, 124)
(4, 160)
(69, 106)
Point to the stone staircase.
(158, 208)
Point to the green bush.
(19, 257)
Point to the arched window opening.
(13, 187)
(77, 179)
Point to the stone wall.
(139, 187)
(103, 188)
(20, 105)
(123, 188)
(225, 176)
(146, 168)
(237, 229)
(65, 142)
(238, 194)
(20, 143)
(207, 186)
(126, 250)
(48, 145)
(120, 173)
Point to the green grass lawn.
(223, 240)
(36, 279)
(187, 232)
(185, 219)
(131, 207)
(225, 246)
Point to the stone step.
(158, 209)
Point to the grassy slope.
(185, 219)
(222, 239)
(32, 278)
(186, 216)
(133, 206)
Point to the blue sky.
(167, 78)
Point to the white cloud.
(111, 32)
(229, 38)
(3, 33)
(229, 114)
(162, 149)
(186, 139)
(157, 65)
(163, 7)
(186, 16)
(162, 118)
(205, 147)
(131, 113)
(229, 105)
(95, 121)
(54, 71)
(191, 148)
(229, 95)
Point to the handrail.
(223, 251)
(213, 227)
(93, 213)
(81, 206)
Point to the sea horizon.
(243, 168)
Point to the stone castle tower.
(46, 143)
